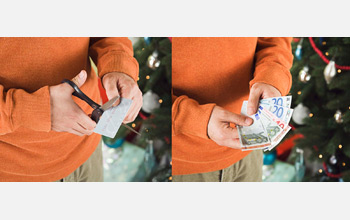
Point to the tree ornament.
(338, 117)
(300, 113)
(147, 40)
(304, 75)
(330, 71)
(333, 160)
(298, 52)
(150, 102)
(153, 61)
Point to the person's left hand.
(260, 90)
(121, 84)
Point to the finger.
(80, 129)
(253, 101)
(134, 109)
(85, 121)
(73, 131)
(238, 119)
(112, 91)
(229, 133)
(80, 79)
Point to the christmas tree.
(321, 99)
(154, 120)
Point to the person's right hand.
(220, 131)
(66, 115)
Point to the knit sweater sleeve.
(273, 60)
(189, 117)
(114, 54)
(20, 108)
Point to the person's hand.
(220, 131)
(66, 115)
(260, 90)
(123, 85)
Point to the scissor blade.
(130, 128)
(109, 104)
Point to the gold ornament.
(338, 117)
(153, 61)
(304, 75)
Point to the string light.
(146, 129)
(299, 92)
(320, 170)
(327, 54)
(324, 43)
(320, 156)
(160, 101)
(340, 146)
(171, 162)
(343, 164)
(138, 78)
(133, 125)
(170, 178)
(339, 70)
(310, 115)
(147, 77)
(143, 49)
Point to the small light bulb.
(299, 92)
(170, 177)
(310, 115)
(133, 125)
(143, 49)
(340, 146)
(320, 170)
(327, 53)
(147, 77)
(343, 164)
(339, 70)
(160, 101)
(138, 78)
(324, 43)
(171, 162)
(320, 156)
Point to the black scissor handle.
(78, 93)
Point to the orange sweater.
(29, 150)
(218, 71)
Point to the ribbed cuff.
(273, 74)
(31, 110)
(188, 117)
(118, 62)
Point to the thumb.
(238, 119)
(80, 79)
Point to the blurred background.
(317, 149)
(147, 158)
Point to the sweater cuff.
(190, 118)
(273, 74)
(118, 62)
(32, 110)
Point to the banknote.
(285, 101)
(281, 112)
(111, 119)
(270, 124)
(255, 135)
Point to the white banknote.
(112, 118)
(285, 101)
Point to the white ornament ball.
(300, 113)
(330, 71)
(150, 101)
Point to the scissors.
(98, 109)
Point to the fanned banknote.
(270, 124)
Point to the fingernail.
(81, 74)
(248, 121)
